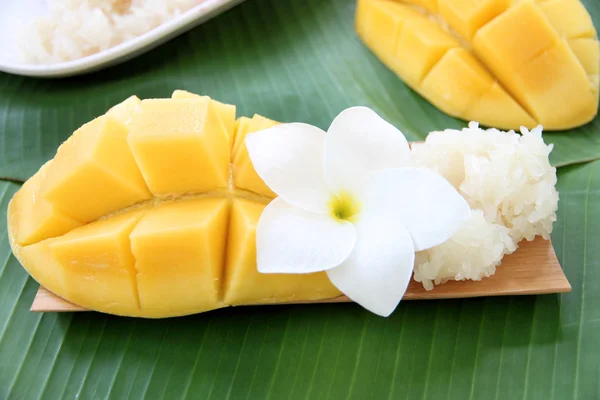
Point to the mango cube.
(180, 146)
(249, 125)
(498, 108)
(245, 285)
(457, 81)
(36, 219)
(505, 34)
(495, 44)
(467, 16)
(244, 174)
(420, 46)
(241, 128)
(179, 250)
(226, 112)
(546, 91)
(94, 172)
(240, 124)
(124, 111)
(569, 18)
(98, 266)
(384, 22)
(587, 52)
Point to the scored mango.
(503, 63)
(141, 213)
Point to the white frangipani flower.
(351, 204)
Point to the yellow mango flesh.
(94, 172)
(241, 126)
(502, 63)
(245, 285)
(244, 175)
(587, 52)
(180, 145)
(569, 18)
(124, 111)
(241, 129)
(468, 16)
(226, 112)
(185, 246)
(36, 219)
(96, 258)
(179, 248)
(424, 50)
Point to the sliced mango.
(245, 285)
(94, 172)
(529, 59)
(140, 213)
(180, 146)
(179, 251)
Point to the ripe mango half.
(151, 210)
(503, 63)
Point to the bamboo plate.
(532, 269)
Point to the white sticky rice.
(509, 183)
(77, 28)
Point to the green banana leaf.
(295, 60)
(290, 60)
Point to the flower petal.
(289, 158)
(358, 143)
(427, 205)
(293, 241)
(377, 272)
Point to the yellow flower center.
(344, 206)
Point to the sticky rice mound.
(473, 252)
(509, 183)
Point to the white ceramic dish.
(14, 12)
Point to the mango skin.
(159, 256)
(503, 63)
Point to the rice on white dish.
(74, 29)
(507, 180)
